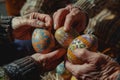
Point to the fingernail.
(65, 28)
(40, 23)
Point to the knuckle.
(61, 10)
(42, 58)
(54, 14)
(98, 57)
(76, 9)
(83, 51)
(76, 74)
(70, 16)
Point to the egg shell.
(82, 41)
(61, 70)
(73, 78)
(42, 40)
(65, 38)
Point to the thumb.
(79, 70)
(83, 54)
(55, 55)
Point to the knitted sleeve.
(6, 28)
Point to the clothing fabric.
(12, 49)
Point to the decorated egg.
(42, 40)
(63, 72)
(65, 38)
(88, 41)
(60, 69)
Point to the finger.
(48, 21)
(79, 70)
(80, 27)
(43, 17)
(46, 18)
(72, 68)
(21, 21)
(71, 18)
(88, 56)
(38, 57)
(81, 23)
(83, 54)
(49, 57)
(68, 22)
(54, 15)
(35, 23)
(55, 54)
(59, 18)
(52, 65)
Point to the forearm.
(22, 69)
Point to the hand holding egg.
(65, 38)
(88, 41)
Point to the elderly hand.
(24, 25)
(96, 66)
(49, 61)
(70, 17)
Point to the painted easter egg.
(65, 38)
(63, 72)
(88, 41)
(42, 40)
(60, 69)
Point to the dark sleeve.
(11, 49)
(5, 28)
(22, 69)
(7, 50)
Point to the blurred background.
(2, 7)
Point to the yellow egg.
(42, 40)
(73, 78)
(88, 41)
(65, 38)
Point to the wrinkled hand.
(49, 61)
(24, 25)
(96, 66)
(70, 17)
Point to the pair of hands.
(96, 66)
(67, 17)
